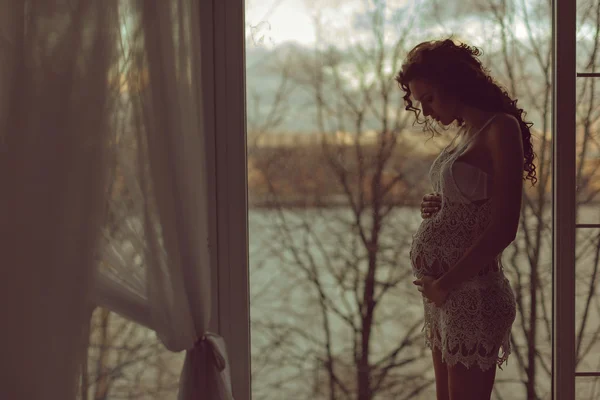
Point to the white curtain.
(102, 132)
(55, 59)
(156, 264)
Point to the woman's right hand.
(431, 204)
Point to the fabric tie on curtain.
(213, 344)
(206, 368)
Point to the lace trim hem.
(483, 362)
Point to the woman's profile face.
(434, 102)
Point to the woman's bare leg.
(441, 375)
(471, 383)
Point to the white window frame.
(223, 41)
(223, 64)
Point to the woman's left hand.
(431, 290)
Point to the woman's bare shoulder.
(505, 135)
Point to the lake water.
(298, 257)
(300, 260)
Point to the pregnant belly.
(435, 268)
(426, 263)
(433, 251)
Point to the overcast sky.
(275, 25)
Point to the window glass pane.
(588, 112)
(336, 173)
(127, 361)
(587, 388)
(587, 300)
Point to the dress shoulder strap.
(489, 121)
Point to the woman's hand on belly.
(431, 290)
(431, 204)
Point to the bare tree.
(342, 262)
(127, 361)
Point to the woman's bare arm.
(506, 148)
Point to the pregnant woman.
(471, 217)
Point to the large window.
(336, 171)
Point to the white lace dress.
(473, 326)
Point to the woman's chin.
(446, 121)
(443, 121)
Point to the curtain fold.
(158, 249)
(55, 130)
